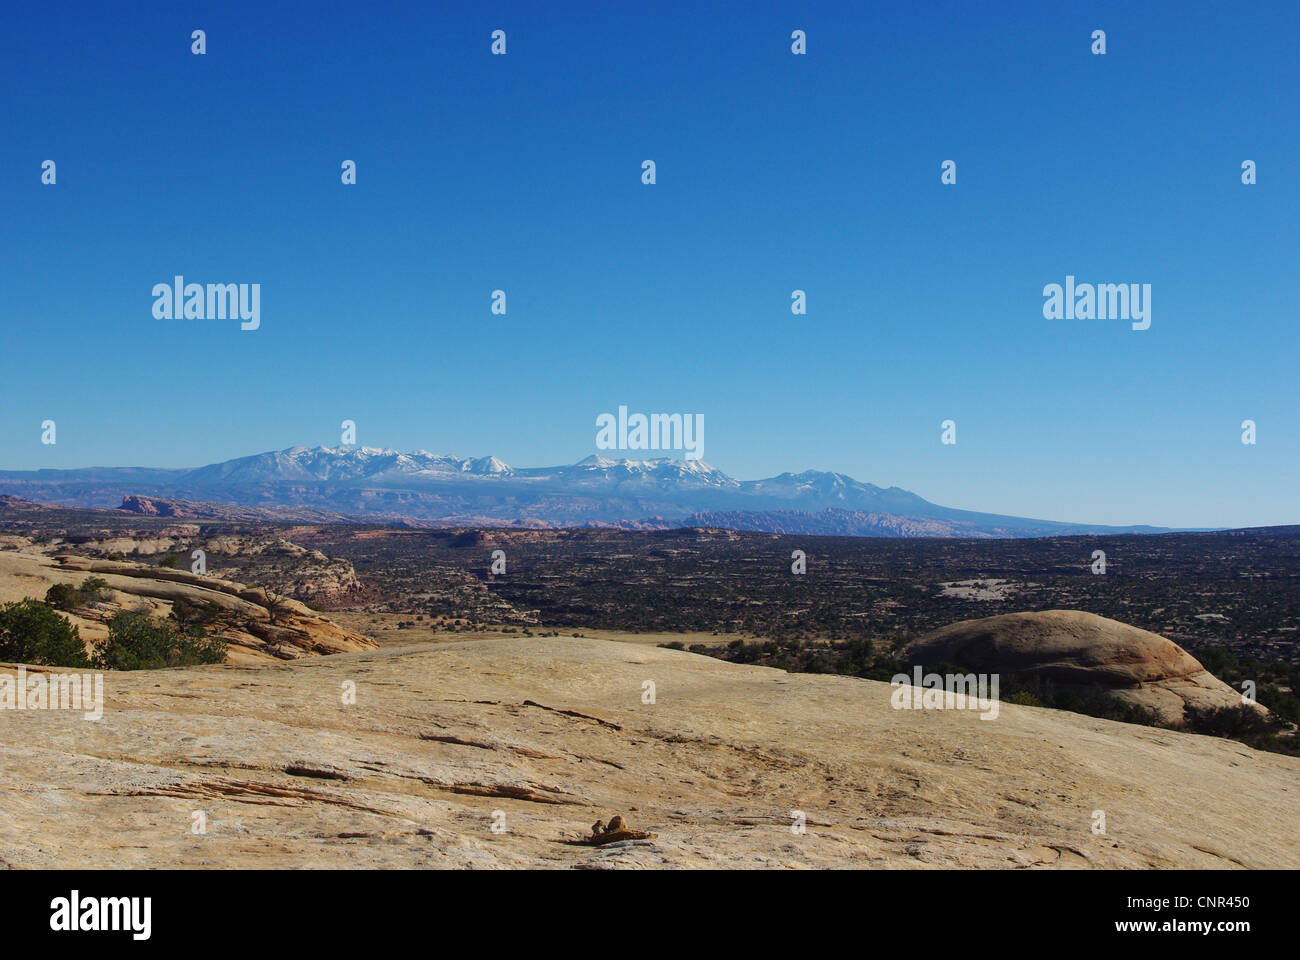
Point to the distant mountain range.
(425, 489)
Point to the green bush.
(136, 642)
(1237, 722)
(1284, 705)
(1025, 699)
(188, 614)
(92, 589)
(1217, 660)
(63, 596)
(66, 597)
(31, 632)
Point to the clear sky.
(775, 172)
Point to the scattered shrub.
(189, 615)
(63, 596)
(92, 589)
(135, 642)
(66, 597)
(1024, 698)
(32, 632)
(1240, 722)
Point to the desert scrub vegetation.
(857, 657)
(136, 642)
(66, 597)
(189, 615)
(32, 632)
(1276, 684)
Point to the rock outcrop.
(1077, 650)
(540, 737)
(146, 506)
(259, 625)
(297, 571)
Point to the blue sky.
(775, 172)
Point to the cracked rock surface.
(539, 737)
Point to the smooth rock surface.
(1078, 650)
(553, 733)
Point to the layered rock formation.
(298, 571)
(295, 570)
(259, 625)
(1078, 650)
(228, 512)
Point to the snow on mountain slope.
(376, 481)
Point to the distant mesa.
(151, 507)
(229, 512)
(1077, 651)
